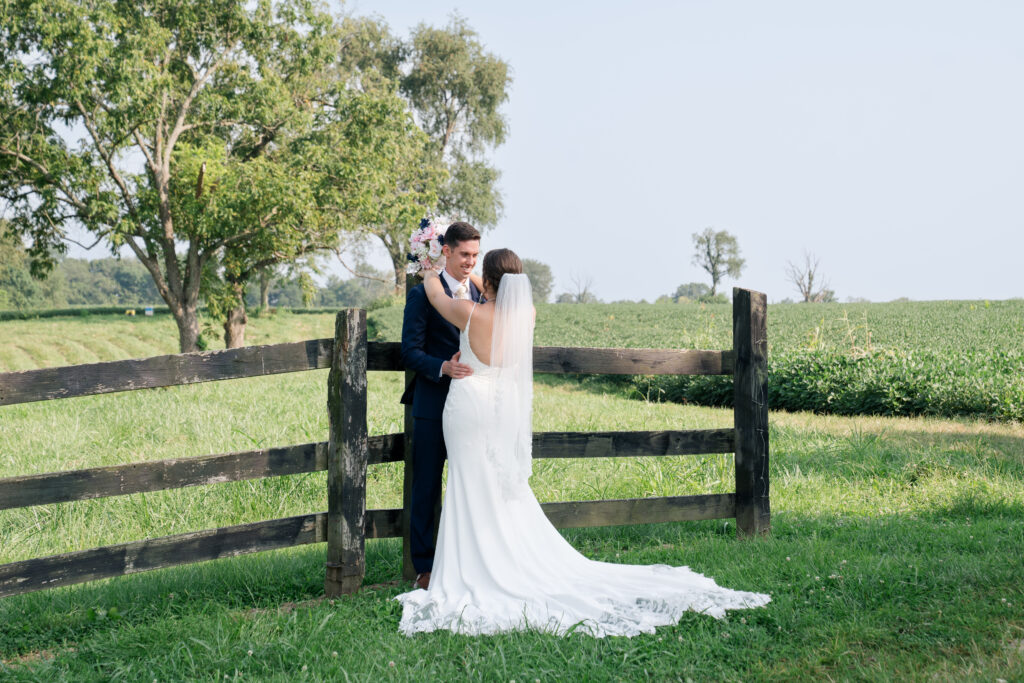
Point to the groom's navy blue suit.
(428, 340)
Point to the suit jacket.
(428, 340)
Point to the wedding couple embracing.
(499, 564)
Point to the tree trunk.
(234, 325)
(234, 328)
(187, 318)
(264, 290)
(399, 263)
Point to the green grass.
(894, 554)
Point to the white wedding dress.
(500, 565)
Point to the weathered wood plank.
(558, 359)
(385, 448)
(162, 371)
(384, 356)
(384, 523)
(119, 480)
(629, 444)
(750, 411)
(314, 354)
(169, 551)
(640, 510)
(158, 475)
(347, 456)
(157, 553)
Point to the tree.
(354, 292)
(809, 281)
(581, 293)
(379, 171)
(456, 90)
(189, 89)
(541, 279)
(692, 291)
(107, 281)
(19, 290)
(719, 254)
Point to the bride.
(499, 564)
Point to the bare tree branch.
(805, 277)
(337, 253)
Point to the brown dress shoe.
(423, 580)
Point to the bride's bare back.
(481, 329)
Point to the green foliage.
(19, 289)
(223, 102)
(692, 291)
(718, 253)
(456, 89)
(541, 279)
(695, 292)
(379, 169)
(948, 358)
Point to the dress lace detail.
(500, 565)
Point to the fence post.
(750, 410)
(347, 455)
(408, 571)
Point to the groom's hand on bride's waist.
(454, 369)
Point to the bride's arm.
(455, 311)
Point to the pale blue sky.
(886, 137)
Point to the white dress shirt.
(454, 284)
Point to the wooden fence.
(350, 450)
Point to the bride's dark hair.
(497, 262)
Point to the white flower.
(435, 250)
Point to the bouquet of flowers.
(425, 246)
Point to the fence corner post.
(347, 453)
(750, 411)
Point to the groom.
(430, 347)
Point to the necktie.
(462, 291)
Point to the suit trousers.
(428, 456)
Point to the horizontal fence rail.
(348, 451)
(158, 475)
(256, 361)
(168, 551)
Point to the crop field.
(945, 358)
(894, 553)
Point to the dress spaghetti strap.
(470, 318)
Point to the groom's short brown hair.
(460, 231)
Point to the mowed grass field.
(895, 551)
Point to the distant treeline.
(78, 283)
